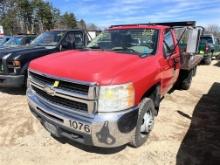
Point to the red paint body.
(108, 67)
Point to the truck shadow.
(91, 149)
(13, 91)
(201, 144)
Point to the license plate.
(51, 128)
(79, 126)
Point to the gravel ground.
(187, 131)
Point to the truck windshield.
(206, 39)
(13, 41)
(48, 38)
(133, 41)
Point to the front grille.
(62, 101)
(65, 85)
(41, 78)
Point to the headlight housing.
(15, 64)
(116, 97)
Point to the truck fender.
(154, 94)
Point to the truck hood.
(16, 52)
(90, 66)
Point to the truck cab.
(14, 61)
(3, 39)
(209, 47)
(109, 93)
(17, 40)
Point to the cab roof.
(160, 25)
(121, 27)
(65, 30)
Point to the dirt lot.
(187, 131)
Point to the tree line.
(214, 29)
(36, 16)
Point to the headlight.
(14, 64)
(116, 97)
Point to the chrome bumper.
(107, 129)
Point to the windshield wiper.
(38, 44)
(126, 50)
(94, 47)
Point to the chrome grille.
(74, 96)
(61, 101)
(69, 86)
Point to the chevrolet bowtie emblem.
(56, 84)
(49, 90)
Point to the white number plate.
(79, 126)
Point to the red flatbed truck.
(108, 94)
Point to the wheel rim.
(147, 123)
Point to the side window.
(69, 41)
(168, 43)
(27, 40)
(79, 40)
(73, 40)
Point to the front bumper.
(11, 81)
(107, 129)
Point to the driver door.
(170, 64)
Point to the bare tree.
(213, 28)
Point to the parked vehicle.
(209, 47)
(1, 30)
(14, 61)
(4, 39)
(108, 94)
(18, 40)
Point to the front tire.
(145, 122)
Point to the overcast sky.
(108, 12)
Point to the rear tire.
(185, 79)
(186, 83)
(145, 122)
(195, 71)
(207, 61)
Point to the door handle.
(175, 62)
